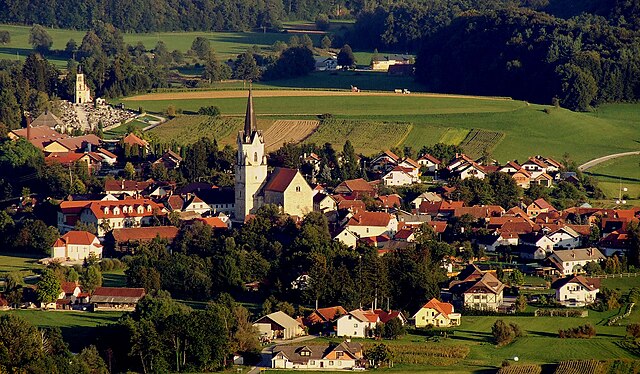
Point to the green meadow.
(615, 175)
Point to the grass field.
(122, 129)
(19, 262)
(188, 129)
(453, 136)
(623, 172)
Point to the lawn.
(19, 262)
(123, 129)
(114, 278)
(622, 284)
(617, 174)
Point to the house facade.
(343, 356)
(576, 291)
(572, 261)
(278, 325)
(76, 246)
(437, 314)
(357, 323)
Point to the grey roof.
(316, 352)
(281, 319)
(582, 254)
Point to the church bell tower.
(251, 165)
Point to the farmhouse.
(356, 188)
(367, 224)
(576, 291)
(278, 325)
(357, 323)
(539, 206)
(437, 314)
(345, 356)
(474, 289)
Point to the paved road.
(267, 353)
(599, 160)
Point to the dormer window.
(106, 210)
(140, 210)
(148, 208)
(116, 210)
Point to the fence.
(581, 313)
(621, 275)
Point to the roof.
(317, 352)
(282, 319)
(390, 201)
(132, 139)
(79, 142)
(479, 211)
(404, 234)
(217, 195)
(98, 208)
(126, 185)
(488, 283)
(117, 295)
(106, 153)
(174, 202)
(214, 222)
(365, 315)
(76, 238)
(441, 307)
(588, 283)
(428, 157)
(581, 254)
(144, 233)
(39, 136)
(68, 287)
(533, 160)
(543, 204)
(326, 314)
(280, 180)
(370, 219)
(47, 119)
(411, 162)
(357, 185)
(386, 316)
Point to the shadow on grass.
(474, 336)
(114, 280)
(614, 177)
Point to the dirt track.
(599, 160)
(189, 95)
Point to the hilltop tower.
(83, 94)
(251, 165)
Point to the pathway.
(599, 160)
(82, 118)
(267, 352)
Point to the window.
(297, 188)
(355, 325)
(330, 363)
(255, 157)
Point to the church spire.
(250, 123)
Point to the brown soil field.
(288, 131)
(221, 94)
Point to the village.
(495, 246)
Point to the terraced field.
(288, 131)
(478, 141)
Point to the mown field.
(617, 174)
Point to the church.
(255, 187)
(83, 93)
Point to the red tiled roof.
(391, 155)
(411, 162)
(537, 162)
(78, 142)
(353, 205)
(438, 226)
(98, 208)
(513, 165)
(478, 211)
(132, 139)
(444, 308)
(126, 185)
(119, 292)
(370, 219)
(40, 136)
(106, 153)
(214, 222)
(428, 157)
(281, 179)
(76, 238)
(386, 316)
(543, 204)
(390, 201)
(144, 233)
(403, 234)
(357, 185)
(68, 287)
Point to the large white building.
(76, 245)
(83, 93)
(254, 187)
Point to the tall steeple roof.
(250, 123)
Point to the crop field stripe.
(405, 136)
(478, 141)
(288, 131)
(454, 136)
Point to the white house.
(429, 162)
(324, 203)
(572, 261)
(576, 291)
(471, 170)
(76, 245)
(565, 238)
(357, 323)
(196, 204)
(367, 224)
(347, 238)
(343, 356)
(399, 176)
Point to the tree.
(48, 287)
(129, 171)
(71, 47)
(393, 329)
(350, 168)
(346, 59)
(20, 343)
(5, 37)
(92, 278)
(633, 329)
(325, 43)
(212, 111)
(293, 62)
(40, 39)
(506, 191)
(521, 303)
(504, 333)
(306, 42)
(89, 361)
(201, 46)
(322, 22)
(379, 354)
(516, 277)
(246, 67)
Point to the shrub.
(634, 330)
(504, 333)
(106, 264)
(322, 22)
(212, 111)
(581, 332)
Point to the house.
(387, 315)
(77, 245)
(217, 223)
(572, 261)
(324, 203)
(576, 290)
(127, 240)
(325, 319)
(553, 166)
(565, 238)
(539, 206)
(39, 136)
(73, 144)
(471, 170)
(169, 160)
(356, 188)
(490, 243)
(195, 204)
(278, 325)
(430, 163)
(542, 179)
(406, 235)
(326, 63)
(288, 189)
(535, 166)
(120, 298)
(615, 242)
(383, 63)
(479, 212)
(92, 161)
(357, 323)
(384, 162)
(48, 119)
(436, 313)
(347, 237)
(330, 356)
(400, 176)
(431, 197)
(132, 140)
(522, 178)
(366, 224)
(475, 289)
(220, 200)
(538, 240)
(126, 187)
(108, 215)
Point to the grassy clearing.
(453, 136)
(366, 137)
(115, 278)
(122, 129)
(622, 284)
(19, 262)
(618, 173)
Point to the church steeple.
(250, 123)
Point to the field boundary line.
(405, 136)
